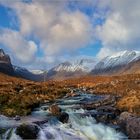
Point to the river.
(81, 125)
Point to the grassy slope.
(19, 97)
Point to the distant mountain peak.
(120, 58)
(77, 65)
(72, 68)
(116, 62)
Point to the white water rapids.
(78, 128)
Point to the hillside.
(19, 97)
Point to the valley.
(69, 69)
(35, 104)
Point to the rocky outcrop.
(4, 58)
(130, 124)
(5, 64)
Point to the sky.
(39, 34)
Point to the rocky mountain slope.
(5, 64)
(6, 67)
(120, 63)
(34, 75)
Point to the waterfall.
(11, 135)
(78, 128)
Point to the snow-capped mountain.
(79, 65)
(72, 68)
(117, 62)
(124, 62)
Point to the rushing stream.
(79, 127)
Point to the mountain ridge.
(117, 64)
(124, 62)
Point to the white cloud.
(121, 28)
(73, 31)
(22, 49)
(58, 29)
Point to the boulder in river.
(55, 110)
(27, 131)
(130, 124)
(17, 118)
(63, 117)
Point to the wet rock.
(2, 130)
(55, 110)
(71, 94)
(107, 114)
(112, 110)
(106, 109)
(108, 101)
(130, 124)
(91, 106)
(40, 122)
(64, 117)
(17, 118)
(44, 108)
(102, 118)
(27, 131)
